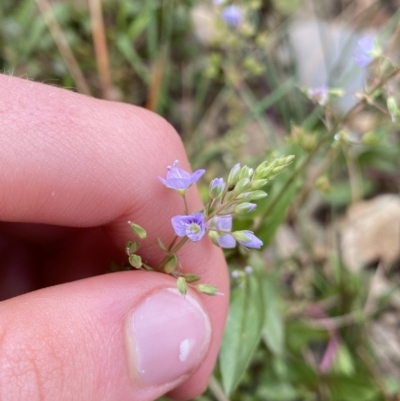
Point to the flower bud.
(245, 207)
(253, 195)
(182, 286)
(213, 236)
(233, 177)
(245, 172)
(257, 184)
(241, 236)
(217, 185)
(242, 185)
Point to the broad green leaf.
(242, 333)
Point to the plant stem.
(318, 146)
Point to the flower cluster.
(233, 197)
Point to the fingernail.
(171, 334)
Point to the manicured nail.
(171, 334)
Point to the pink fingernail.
(171, 333)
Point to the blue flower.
(232, 15)
(192, 226)
(179, 179)
(364, 51)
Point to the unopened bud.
(217, 185)
(240, 236)
(245, 207)
(242, 185)
(245, 172)
(233, 177)
(257, 184)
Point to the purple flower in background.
(217, 2)
(232, 15)
(364, 51)
(179, 179)
(319, 95)
(193, 226)
(248, 239)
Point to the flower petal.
(226, 241)
(253, 242)
(223, 223)
(196, 175)
(179, 223)
(176, 172)
(177, 183)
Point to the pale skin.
(77, 170)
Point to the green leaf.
(242, 332)
(273, 331)
(161, 244)
(277, 214)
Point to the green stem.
(186, 206)
(318, 146)
(166, 258)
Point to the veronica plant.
(226, 199)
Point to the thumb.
(122, 336)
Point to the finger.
(125, 336)
(88, 162)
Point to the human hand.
(74, 170)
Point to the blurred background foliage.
(318, 318)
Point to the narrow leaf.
(242, 332)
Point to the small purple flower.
(232, 15)
(250, 242)
(179, 179)
(193, 226)
(319, 95)
(364, 51)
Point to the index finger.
(76, 161)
